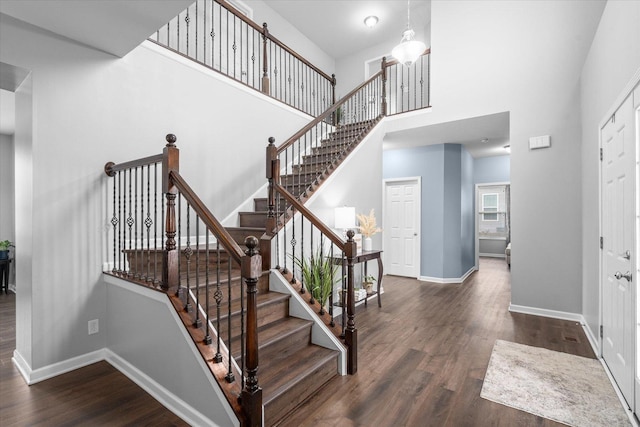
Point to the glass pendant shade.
(409, 50)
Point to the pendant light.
(409, 49)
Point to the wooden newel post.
(384, 86)
(271, 174)
(265, 63)
(251, 396)
(170, 163)
(351, 333)
(333, 89)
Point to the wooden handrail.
(324, 115)
(274, 39)
(207, 217)
(111, 168)
(310, 216)
(395, 61)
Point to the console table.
(5, 269)
(364, 257)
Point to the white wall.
(350, 70)
(142, 330)
(284, 31)
(7, 190)
(524, 57)
(612, 61)
(89, 108)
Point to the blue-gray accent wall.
(492, 169)
(447, 223)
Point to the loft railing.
(217, 35)
(297, 167)
(163, 236)
(408, 88)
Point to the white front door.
(401, 225)
(618, 211)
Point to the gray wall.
(447, 245)
(7, 194)
(491, 169)
(613, 59)
(118, 110)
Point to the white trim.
(450, 279)
(320, 334)
(40, 374)
(169, 400)
(503, 256)
(476, 219)
(233, 219)
(554, 314)
(418, 230)
(592, 340)
(146, 381)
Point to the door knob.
(619, 275)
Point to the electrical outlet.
(94, 327)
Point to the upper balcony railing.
(217, 35)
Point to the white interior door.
(402, 227)
(618, 211)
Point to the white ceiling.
(112, 26)
(468, 132)
(337, 26)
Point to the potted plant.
(367, 282)
(318, 274)
(368, 228)
(4, 248)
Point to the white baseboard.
(554, 314)
(448, 279)
(36, 375)
(593, 340)
(169, 400)
(490, 255)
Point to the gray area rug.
(569, 389)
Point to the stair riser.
(254, 219)
(266, 314)
(289, 344)
(286, 402)
(263, 205)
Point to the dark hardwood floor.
(422, 359)
(423, 356)
(96, 395)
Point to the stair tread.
(263, 299)
(275, 331)
(281, 374)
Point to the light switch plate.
(536, 142)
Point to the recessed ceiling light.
(371, 21)
(484, 140)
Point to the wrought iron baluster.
(207, 329)
(129, 224)
(197, 322)
(218, 297)
(148, 222)
(229, 377)
(312, 227)
(332, 260)
(155, 224)
(114, 223)
(293, 245)
(187, 255)
(242, 328)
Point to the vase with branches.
(368, 228)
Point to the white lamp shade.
(345, 217)
(409, 50)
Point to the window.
(489, 205)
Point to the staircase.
(291, 367)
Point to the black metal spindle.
(187, 256)
(207, 329)
(155, 224)
(197, 322)
(218, 297)
(229, 377)
(114, 223)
